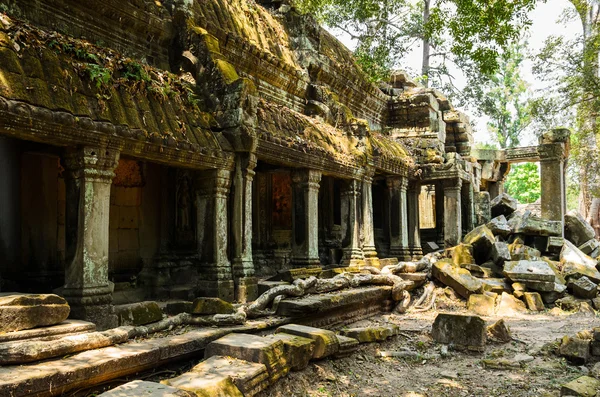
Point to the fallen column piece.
(326, 342)
(26, 311)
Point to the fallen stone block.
(553, 296)
(140, 313)
(554, 245)
(584, 386)
(326, 342)
(595, 371)
(570, 303)
(534, 302)
(254, 349)
(557, 273)
(175, 308)
(500, 332)
(459, 330)
(525, 270)
(499, 226)
(584, 288)
(539, 286)
(347, 346)
(503, 205)
(297, 350)
(430, 246)
(482, 304)
(577, 229)
(530, 225)
(596, 303)
(207, 306)
(509, 305)
(495, 285)
(575, 350)
(520, 251)
(461, 255)
(590, 248)
(595, 348)
(576, 264)
(139, 388)
(500, 253)
(482, 240)
(250, 378)
(479, 271)
(456, 278)
(26, 311)
(212, 385)
(371, 334)
(66, 328)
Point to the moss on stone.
(227, 71)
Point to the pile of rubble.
(519, 261)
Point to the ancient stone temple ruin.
(189, 148)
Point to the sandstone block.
(503, 205)
(500, 253)
(482, 240)
(371, 334)
(297, 350)
(509, 305)
(211, 306)
(26, 311)
(590, 247)
(461, 255)
(520, 251)
(140, 313)
(576, 264)
(553, 296)
(174, 308)
(495, 285)
(575, 350)
(525, 270)
(456, 278)
(500, 331)
(499, 226)
(482, 304)
(347, 346)
(459, 330)
(584, 288)
(480, 271)
(326, 342)
(530, 225)
(213, 385)
(147, 389)
(534, 302)
(595, 348)
(577, 229)
(254, 349)
(555, 244)
(584, 386)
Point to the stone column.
(452, 212)
(246, 284)
(414, 223)
(305, 218)
(552, 176)
(88, 178)
(468, 206)
(398, 222)
(212, 234)
(368, 228)
(352, 252)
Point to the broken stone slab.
(140, 313)
(557, 273)
(534, 302)
(254, 349)
(67, 327)
(430, 246)
(584, 288)
(371, 334)
(205, 306)
(297, 350)
(139, 388)
(482, 304)
(479, 271)
(509, 305)
(552, 296)
(212, 385)
(459, 330)
(250, 378)
(571, 303)
(590, 247)
(500, 332)
(495, 285)
(461, 255)
(482, 240)
(500, 253)
(499, 226)
(26, 311)
(503, 205)
(326, 342)
(178, 307)
(584, 386)
(539, 286)
(347, 346)
(554, 245)
(460, 280)
(576, 264)
(530, 225)
(575, 349)
(525, 270)
(577, 229)
(520, 251)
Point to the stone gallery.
(196, 149)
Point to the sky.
(545, 20)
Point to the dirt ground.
(432, 372)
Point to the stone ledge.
(70, 327)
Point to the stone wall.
(10, 207)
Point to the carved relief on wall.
(282, 201)
(184, 210)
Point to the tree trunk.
(426, 45)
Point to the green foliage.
(134, 71)
(98, 75)
(523, 182)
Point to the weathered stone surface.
(503, 205)
(67, 327)
(250, 378)
(26, 311)
(575, 350)
(480, 271)
(456, 278)
(540, 286)
(254, 349)
(495, 285)
(520, 251)
(525, 270)
(571, 303)
(584, 386)
(534, 302)
(555, 244)
(326, 342)
(371, 334)
(211, 306)
(140, 313)
(139, 388)
(500, 253)
(482, 304)
(347, 346)
(509, 305)
(459, 330)
(553, 296)
(595, 348)
(461, 255)
(482, 240)
(213, 385)
(530, 225)
(576, 264)
(584, 288)
(577, 229)
(174, 308)
(500, 332)
(499, 226)
(297, 350)
(590, 247)
(557, 273)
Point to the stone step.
(347, 346)
(326, 342)
(371, 334)
(298, 350)
(252, 348)
(212, 385)
(139, 388)
(67, 327)
(250, 378)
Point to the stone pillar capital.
(91, 162)
(397, 183)
(552, 152)
(310, 179)
(452, 185)
(351, 188)
(221, 181)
